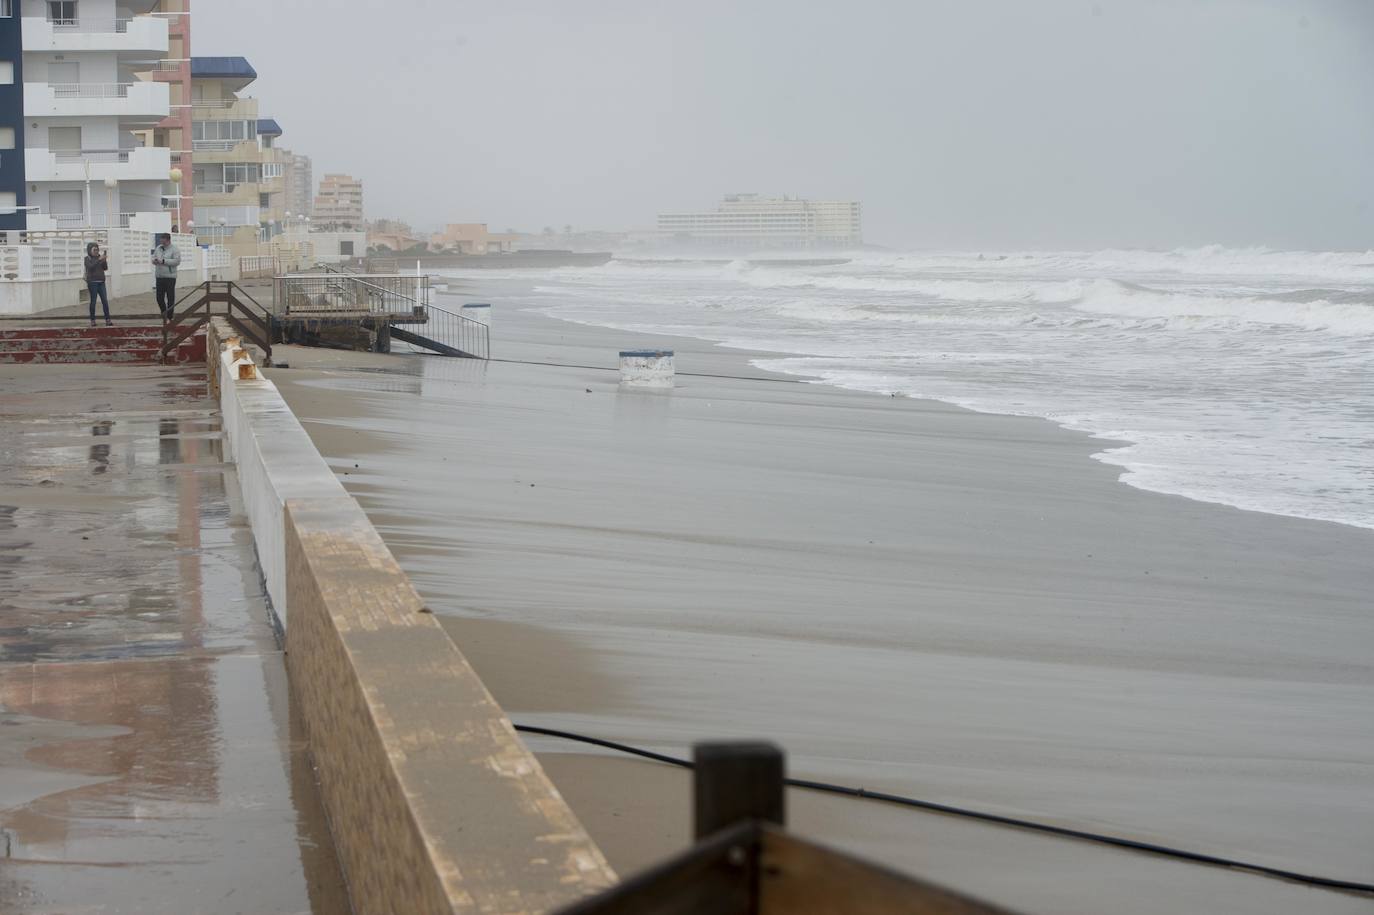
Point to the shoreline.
(1007, 585)
(1111, 443)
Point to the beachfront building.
(339, 204)
(238, 184)
(71, 108)
(299, 180)
(746, 221)
(472, 238)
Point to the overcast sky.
(967, 123)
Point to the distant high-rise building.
(339, 204)
(300, 183)
(752, 220)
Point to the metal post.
(737, 781)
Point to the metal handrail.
(337, 291)
(456, 335)
(93, 155)
(90, 90)
(91, 25)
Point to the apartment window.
(9, 203)
(6, 9)
(346, 248)
(62, 12)
(6, 70)
(66, 139)
(222, 130)
(271, 170)
(236, 173)
(264, 201)
(65, 203)
(6, 138)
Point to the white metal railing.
(172, 63)
(215, 102)
(92, 155)
(94, 221)
(91, 25)
(216, 144)
(90, 90)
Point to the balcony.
(214, 194)
(146, 163)
(225, 109)
(142, 36)
(141, 103)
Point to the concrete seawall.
(434, 803)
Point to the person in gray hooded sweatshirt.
(166, 259)
(96, 266)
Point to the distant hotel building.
(71, 105)
(339, 204)
(755, 221)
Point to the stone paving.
(149, 761)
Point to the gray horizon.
(991, 124)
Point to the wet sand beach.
(907, 596)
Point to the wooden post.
(737, 781)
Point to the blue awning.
(233, 69)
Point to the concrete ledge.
(275, 457)
(434, 802)
(436, 805)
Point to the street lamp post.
(112, 217)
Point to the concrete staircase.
(126, 343)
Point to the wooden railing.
(249, 318)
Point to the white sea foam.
(1244, 377)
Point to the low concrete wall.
(434, 802)
(275, 457)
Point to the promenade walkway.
(148, 757)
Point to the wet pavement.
(148, 757)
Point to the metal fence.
(90, 90)
(347, 293)
(455, 335)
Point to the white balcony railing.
(143, 101)
(142, 163)
(145, 35)
(93, 221)
(90, 90)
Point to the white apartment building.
(83, 165)
(755, 221)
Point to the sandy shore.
(906, 595)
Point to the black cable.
(1063, 831)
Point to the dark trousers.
(98, 289)
(166, 294)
